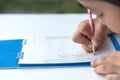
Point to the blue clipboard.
(10, 50)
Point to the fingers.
(112, 57)
(98, 62)
(113, 77)
(106, 69)
(78, 37)
(107, 64)
(87, 48)
(84, 28)
(83, 34)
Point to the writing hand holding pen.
(83, 35)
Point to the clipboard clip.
(20, 55)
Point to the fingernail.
(92, 63)
(100, 70)
(109, 77)
(97, 70)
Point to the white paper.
(59, 49)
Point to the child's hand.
(83, 35)
(108, 65)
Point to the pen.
(91, 28)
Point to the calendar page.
(59, 49)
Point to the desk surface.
(29, 25)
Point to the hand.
(108, 65)
(83, 35)
(113, 77)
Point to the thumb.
(100, 34)
(97, 42)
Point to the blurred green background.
(40, 6)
